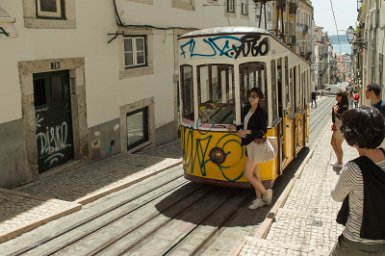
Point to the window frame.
(187, 117)
(220, 92)
(59, 14)
(34, 19)
(138, 71)
(135, 51)
(145, 124)
(232, 4)
(259, 69)
(244, 8)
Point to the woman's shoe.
(337, 165)
(256, 204)
(268, 198)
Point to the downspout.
(374, 42)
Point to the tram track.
(319, 118)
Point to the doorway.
(54, 134)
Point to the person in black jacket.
(254, 127)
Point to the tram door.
(280, 112)
(294, 108)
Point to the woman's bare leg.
(334, 146)
(254, 181)
(256, 175)
(339, 151)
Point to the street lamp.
(350, 34)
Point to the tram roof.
(225, 30)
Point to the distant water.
(345, 48)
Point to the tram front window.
(216, 94)
(187, 93)
(253, 74)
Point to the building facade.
(368, 45)
(322, 59)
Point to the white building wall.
(105, 91)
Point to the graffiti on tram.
(217, 153)
(228, 46)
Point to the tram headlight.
(217, 155)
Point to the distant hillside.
(334, 39)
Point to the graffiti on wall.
(228, 46)
(53, 140)
(219, 156)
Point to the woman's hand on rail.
(232, 128)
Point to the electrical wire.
(335, 23)
(123, 25)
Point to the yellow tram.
(217, 68)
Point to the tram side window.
(287, 83)
(274, 90)
(253, 74)
(187, 93)
(216, 94)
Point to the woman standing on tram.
(254, 128)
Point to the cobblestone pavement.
(65, 191)
(304, 222)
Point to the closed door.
(53, 119)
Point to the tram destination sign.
(224, 46)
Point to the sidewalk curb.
(134, 178)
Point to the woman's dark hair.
(363, 127)
(257, 91)
(344, 99)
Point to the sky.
(345, 12)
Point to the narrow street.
(162, 215)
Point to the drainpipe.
(374, 41)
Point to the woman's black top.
(257, 124)
(341, 109)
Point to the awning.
(7, 27)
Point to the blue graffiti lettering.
(228, 46)
(215, 47)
